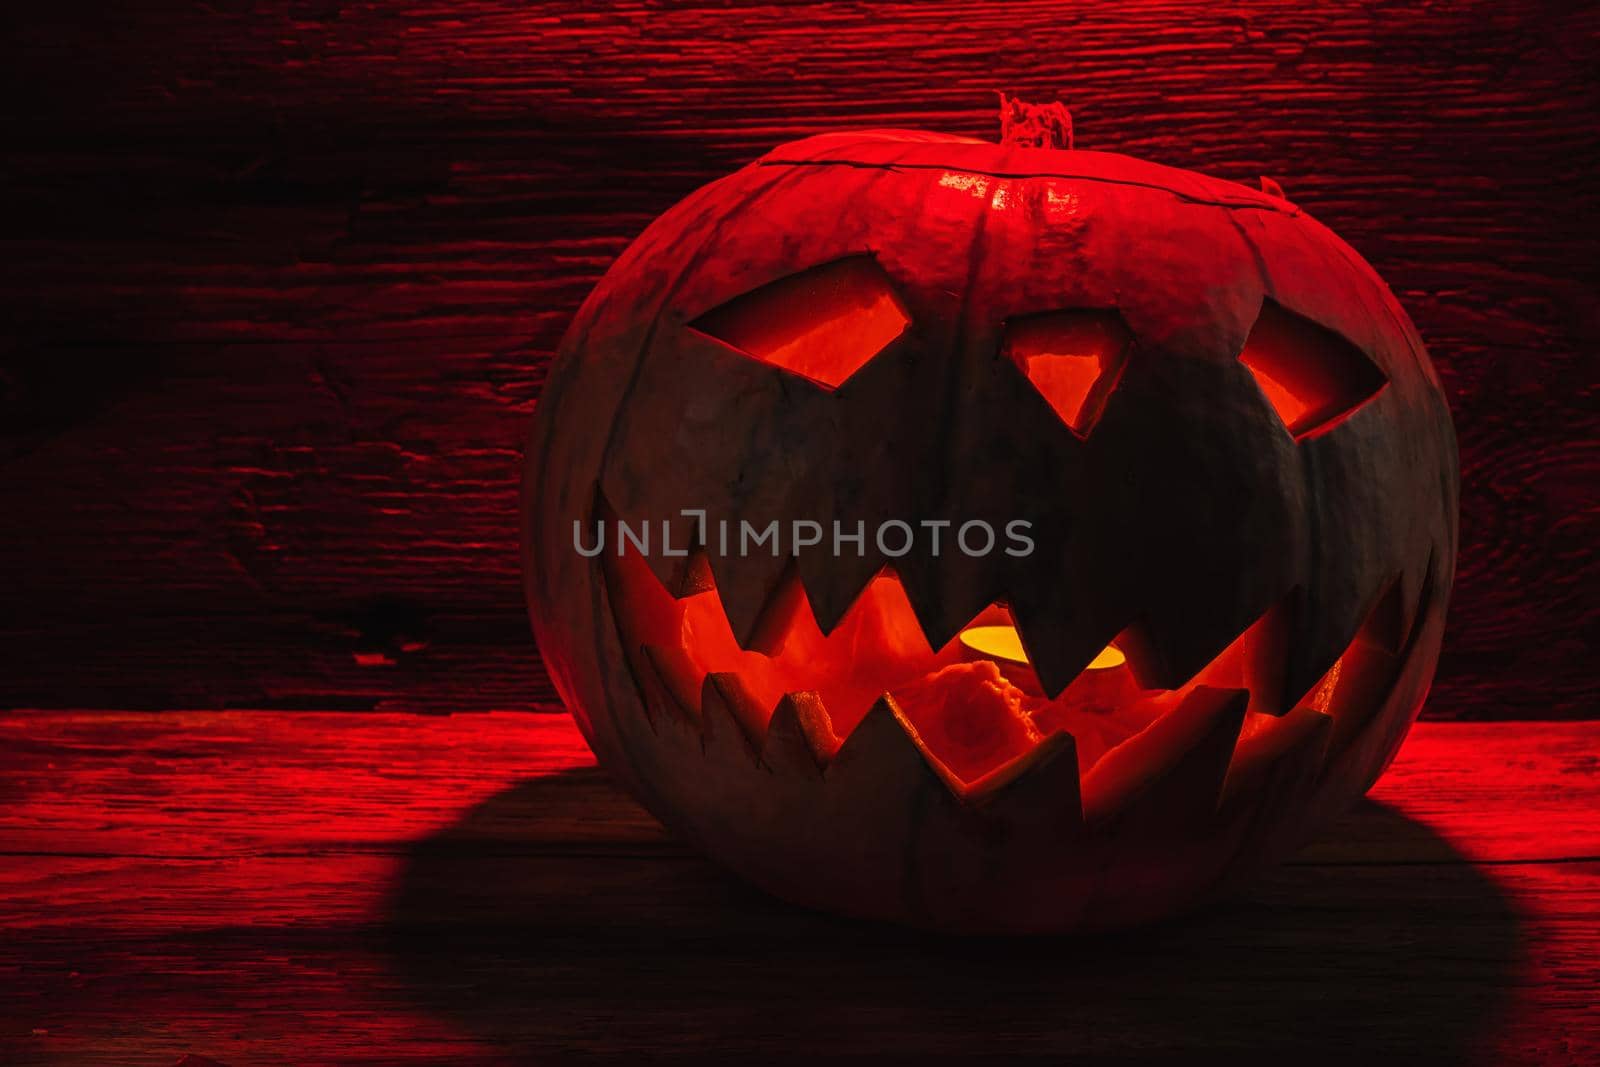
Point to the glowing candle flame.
(1004, 643)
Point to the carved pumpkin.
(1221, 434)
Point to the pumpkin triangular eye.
(1312, 377)
(1073, 358)
(824, 323)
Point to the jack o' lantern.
(1103, 517)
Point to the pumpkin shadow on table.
(623, 945)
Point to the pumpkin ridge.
(1288, 209)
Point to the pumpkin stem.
(1025, 125)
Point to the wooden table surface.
(302, 887)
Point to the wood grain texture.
(269, 887)
(281, 281)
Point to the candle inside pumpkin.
(1005, 643)
(1001, 644)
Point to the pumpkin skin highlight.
(1184, 517)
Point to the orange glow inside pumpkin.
(975, 704)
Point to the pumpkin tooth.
(1311, 668)
(672, 553)
(1275, 768)
(1040, 788)
(685, 570)
(1060, 644)
(833, 584)
(883, 755)
(730, 717)
(1150, 805)
(1386, 627)
(695, 577)
(777, 616)
(1357, 686)
(1371, 654)
(1356, 689)
(1266, 654)
(800, 738)
(943, 608)
(1170, 647)
(1273, 777)
(1168, 778)
(753, 590)
(1255, 659)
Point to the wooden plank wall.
(281, 282)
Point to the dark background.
(281, 283)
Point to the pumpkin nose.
(1073, 358)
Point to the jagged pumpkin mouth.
(974, 707)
